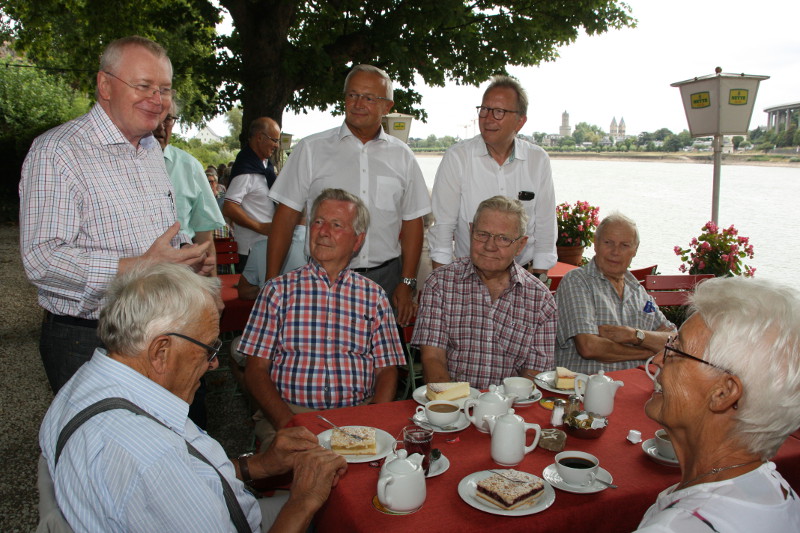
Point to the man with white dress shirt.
(362, 159)
(496, 162)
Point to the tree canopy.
(295, 54)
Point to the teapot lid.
(492, 396)
(601, 376)
(405, 464)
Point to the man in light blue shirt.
(122, 471)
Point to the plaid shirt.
(88, 198)
(586, 299)
(325, 339)
(487, 341)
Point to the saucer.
(460, 424)
(376, 503)
(551, 475)
(649, 447)
(439, 466)
(535, 396)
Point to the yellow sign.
(737, 97)
(399, 125)
(701, 100)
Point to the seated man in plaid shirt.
(321, 336)
(484, 318)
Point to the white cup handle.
(647, 368)
(592, 475)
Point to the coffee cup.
(664, 444)
(440, 412)
(520, 387)
(577, 468)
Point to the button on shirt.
(122, 472)
(325, 339)
(469, 175)
(586, 299)
(197, 208)
(383, 172)
(486, 341)
(88, 198)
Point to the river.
(670, 203)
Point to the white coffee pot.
(401, 485)
(508, 437)
(599, 391)
(488, 403)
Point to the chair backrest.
(642, 273)
(673, 290)
(227, 254)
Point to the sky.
(627, 73)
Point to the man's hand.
(196, 256)
(620, 334)
(281, 455)
(316, 471)
(404, 304)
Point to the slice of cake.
(346, 443)
(447, 391)
(565, 379)
(507, 494)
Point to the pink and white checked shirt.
(325, 339)
(88, 198)
(487, 341)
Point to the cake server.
(340, 429)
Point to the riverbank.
(703, 158)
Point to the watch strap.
(244, 469)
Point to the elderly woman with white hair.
(727, 390)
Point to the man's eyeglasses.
(213, 350)
(497, 112)
(169, 120)
(670, 351)
(273, 139)
(146, 90)
(500, 240)
(368, 98)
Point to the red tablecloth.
(350, 508)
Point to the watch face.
(640, 334)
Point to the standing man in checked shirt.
(484, 318)
(95, 197)
(322, 336)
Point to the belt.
(382, 265)
(71, 320)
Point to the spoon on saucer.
(606, 483)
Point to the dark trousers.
(64, 348)
(239, 267)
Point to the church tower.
(612, 131)
(565, 130)
(621, 129)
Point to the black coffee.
(576, 462)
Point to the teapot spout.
(491, 420)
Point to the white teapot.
(488, 403)
(508, 437)
(599, 390)
(401, 485)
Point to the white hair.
(372, 70)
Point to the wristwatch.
(639, 337)
(411, 282)
(243, 468)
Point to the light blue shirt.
(197, 208)
(255, 271)
(124, 472)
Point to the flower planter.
(572, 255)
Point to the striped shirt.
(325, 339)
(586, 300)
(486, 341)
(124, 472)
(88, 198)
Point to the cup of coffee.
(440, 412)
(577, 468)
(664, 444)
(417, 439)
(520, 387)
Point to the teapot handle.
(382, 482)
(538, 429)
(471, 402)
(580, 387)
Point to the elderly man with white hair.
(141, 464)
(727, 390)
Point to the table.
(350, 509)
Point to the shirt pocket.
(355, 336)
(388, 192)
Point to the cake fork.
(340, 429)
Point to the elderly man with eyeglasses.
(247, 202)
(362, 159)
(94, 197)
(484, 318)
(495, 162)
(137, 462)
